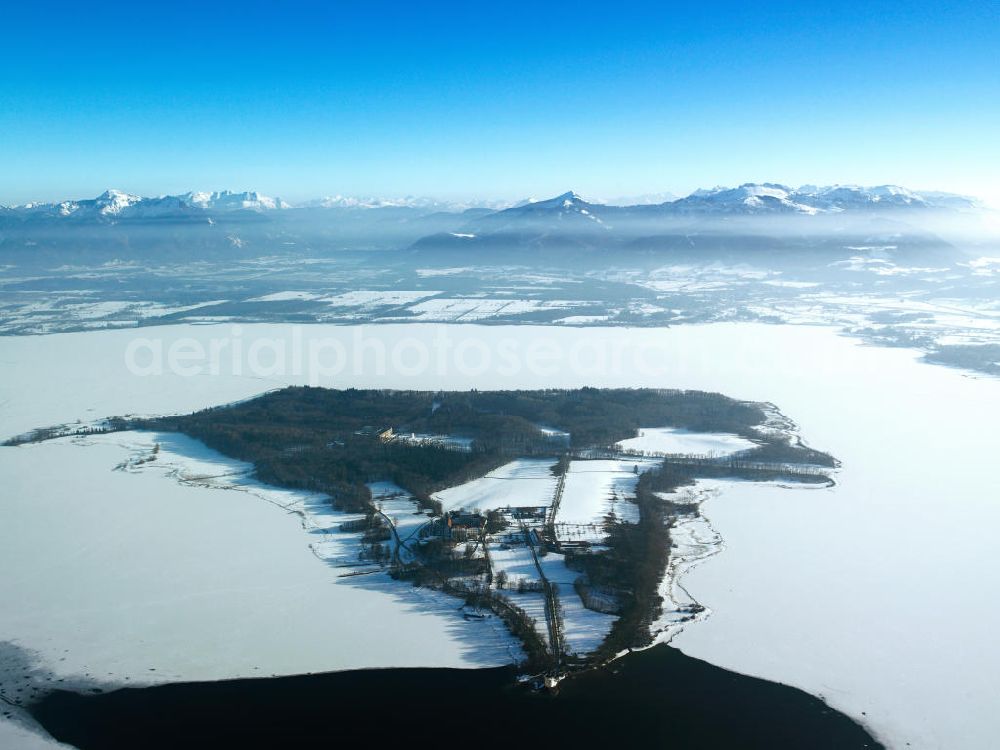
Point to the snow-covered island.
(562, 530)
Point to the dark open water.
(656, 698)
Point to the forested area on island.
(328, 440)
(336, 442)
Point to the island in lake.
(552, 510)
(563, 516)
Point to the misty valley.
(887, 265)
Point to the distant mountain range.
(748, 199)
(114, 205)
(718, 222)
(809, 221)
(809, 199)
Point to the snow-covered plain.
(287, 296)
(523, 482)
(367, 300)
(583, 629)
(468, 309)
(593, 489)
(670, 440)
(876, 593)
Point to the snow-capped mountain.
(114, 205)
(229, 201)
(847, 197)
(114, 202)
(567, 221)
(756, 198)
(718, 222)
(749, 198)
(753, 198)
(716, 219)
(109, 204)
(409, 201)
(348, 201)
(568, 212)
(565, 210)
(643, 199)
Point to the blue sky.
(495, 99)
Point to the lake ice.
(875, 594)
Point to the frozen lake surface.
(131, 575)
(876, 594)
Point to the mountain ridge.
(745, 199)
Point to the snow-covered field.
(369, 300)
(287, 296)
(664, 440)
(583, 629)
(524, 482)
(516, 561)
(593, 489)
(876, 593)
(471, 309)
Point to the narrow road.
(400, 542)
(551, 601)
(550, 526)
